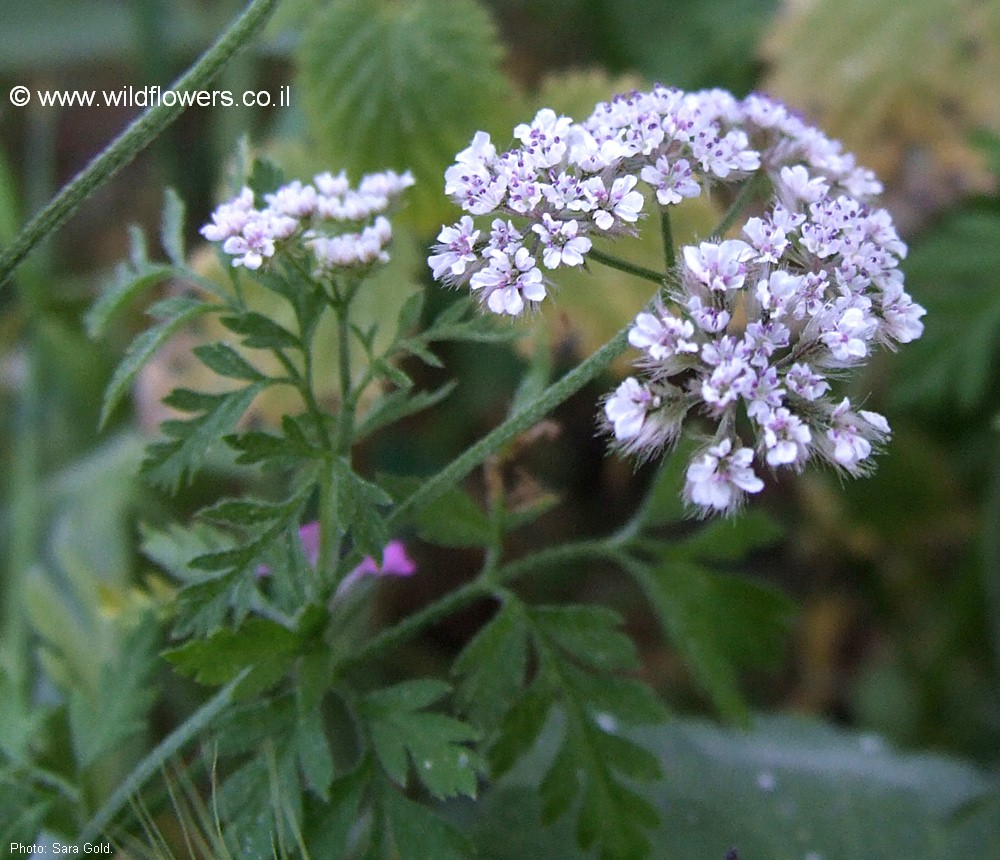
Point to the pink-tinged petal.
(309, 536)
(368, 565)
(395, 561)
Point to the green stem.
(625, 266)
(157, 758)
(135, 138)
(490, 583)
(527, 417)
(562, 554)
(413, 624)
(749, 190)
(669, 255)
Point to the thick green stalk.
(625, 266)
(666, 231)
(413, 624)
(134, 139)
(588, 370)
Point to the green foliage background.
(888, 590)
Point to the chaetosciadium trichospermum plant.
(742, 345)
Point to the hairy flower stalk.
(754, 328)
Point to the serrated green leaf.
(265, 178)
(358, 501)
(588, 765)
(174, 547)
(401, 85)
(226, 361)
(249, 511)
(265, 645)
(179, 312)
(313, 750)
(401, 731)
(419, 833)
(117, 710)
(204, 606)
(492, 667)
(397, 405)
(520, 728)
(329, 824)
(591, 634)
(256, 446)
(260, 332)
(407, 696)
(719, 623)
(169, 464)
(129, 282)
(614, 699)
(409, 314)
(560, 785)
(172, 227)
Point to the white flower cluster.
(755, 327)
(250, 235)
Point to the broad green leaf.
(403, 85)
(402, 731)
(788, 789)
(176, 312)
(492, 667)
(719, 623)
(689, 43)
(265, 645)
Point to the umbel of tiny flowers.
(338, 225)
(754, 330)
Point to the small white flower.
(455, 249)
(662, 336)
(719, 266)
(718, 478)
(561, 244)
(626, 409)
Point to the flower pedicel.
(749, 331)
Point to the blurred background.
(896, 578)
